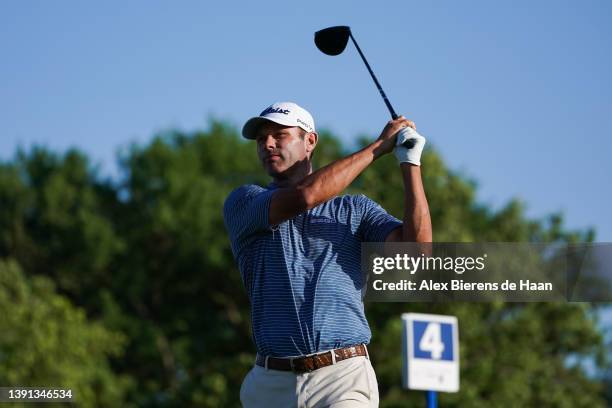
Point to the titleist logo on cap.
(274, 110)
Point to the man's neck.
(290, 179)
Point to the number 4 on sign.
(430, 352)
(432, 341)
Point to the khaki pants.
(348, 383)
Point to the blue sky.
(516, 95)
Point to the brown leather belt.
(311, 363)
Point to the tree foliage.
(47, 342)
(144, 264)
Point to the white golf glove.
(411, 153)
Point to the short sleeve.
(245, 212)
(376, 223)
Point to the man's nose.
(270, 142)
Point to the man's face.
(280, 147)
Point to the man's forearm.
(331, 180)
(417, 221)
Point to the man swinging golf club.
(297, 245)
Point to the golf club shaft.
(382, 93)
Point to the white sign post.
(430, 350)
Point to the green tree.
(47, 342)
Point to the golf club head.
(332, 40)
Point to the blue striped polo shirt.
(303, 276)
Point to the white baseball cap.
(283, 113)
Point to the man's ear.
(311, 141)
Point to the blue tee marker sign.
(430, 351)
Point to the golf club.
(333, 40)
